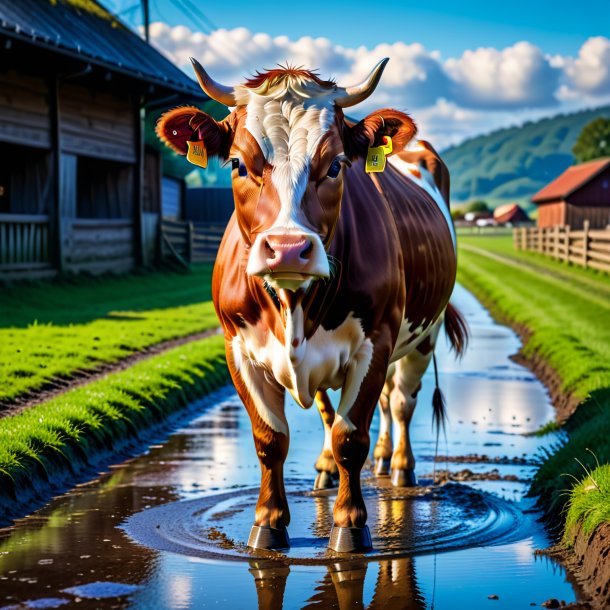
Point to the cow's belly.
(323, 364)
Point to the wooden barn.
(511, 214)
(581, 193)
(79, 188)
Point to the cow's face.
(289, 148)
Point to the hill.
(512, 164)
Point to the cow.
(327, 277)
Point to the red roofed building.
(581, 193)
(511, 213)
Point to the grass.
(566, 311)
(589, 504)
(56, 440)
(52, 330)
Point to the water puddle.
(450, 547)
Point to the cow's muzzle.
(288, 259)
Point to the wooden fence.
(190, 242)
(587, 248)
(24, 245)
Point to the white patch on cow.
(244, 367)
(288, 121)
(356, 372)
(407, 339)
(328, 358)
(295, 343)
(426, 182)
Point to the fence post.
(189, 241)
(585, 255)
(566, 254)
(540, 236)
(557, 236)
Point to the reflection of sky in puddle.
(79, 530)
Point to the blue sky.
(449, 26)
(460, 68)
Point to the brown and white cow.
(327, 277)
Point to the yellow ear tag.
(197, 154)
(375, 158)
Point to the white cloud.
(590, 71)
(517, 76)
(450, 99)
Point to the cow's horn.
(350, 96)
(218, 92)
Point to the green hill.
(512, 164)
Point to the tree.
(478, 205)
(593, 141)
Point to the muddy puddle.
(167, 529)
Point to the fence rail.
(24, 245)
(589, 248)
(191, 242)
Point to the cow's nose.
(287, 252)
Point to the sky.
(458, 68)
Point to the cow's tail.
(456, 329)
(439, 411)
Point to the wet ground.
(189, 501)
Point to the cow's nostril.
(306, 253)
(269, 251)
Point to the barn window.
(104, 189)
(25, 180)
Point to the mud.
(467, 475)
(589, 561)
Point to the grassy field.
(62, 438)
(54, 329)
(566, 311)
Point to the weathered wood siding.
(98, 246)
(97, 124)
(551, 214)
(212, 205)
(598, 217)
(595, 193)
(24, 110)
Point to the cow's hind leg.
(382, 453)
(407, 382)
(264, 401)
(325, 464)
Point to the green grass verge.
(567, 313)
(52, 444)
(589, 504)
(53, 330)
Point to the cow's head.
(289, 146)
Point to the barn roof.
(571, 180)
(85, 29)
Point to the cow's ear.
(387, 122)
(179, 125)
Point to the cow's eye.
(238, 164)
(334, 169)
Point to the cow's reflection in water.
(342, 586)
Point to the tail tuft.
(456, 329)
(439, 411)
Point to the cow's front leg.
(325, 464)
(264, 401)
(350, 438)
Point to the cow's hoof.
(350, 539)
(382, 467)
(269, 538)
(404, 477)
(324, 480)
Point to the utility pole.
(146, 15)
